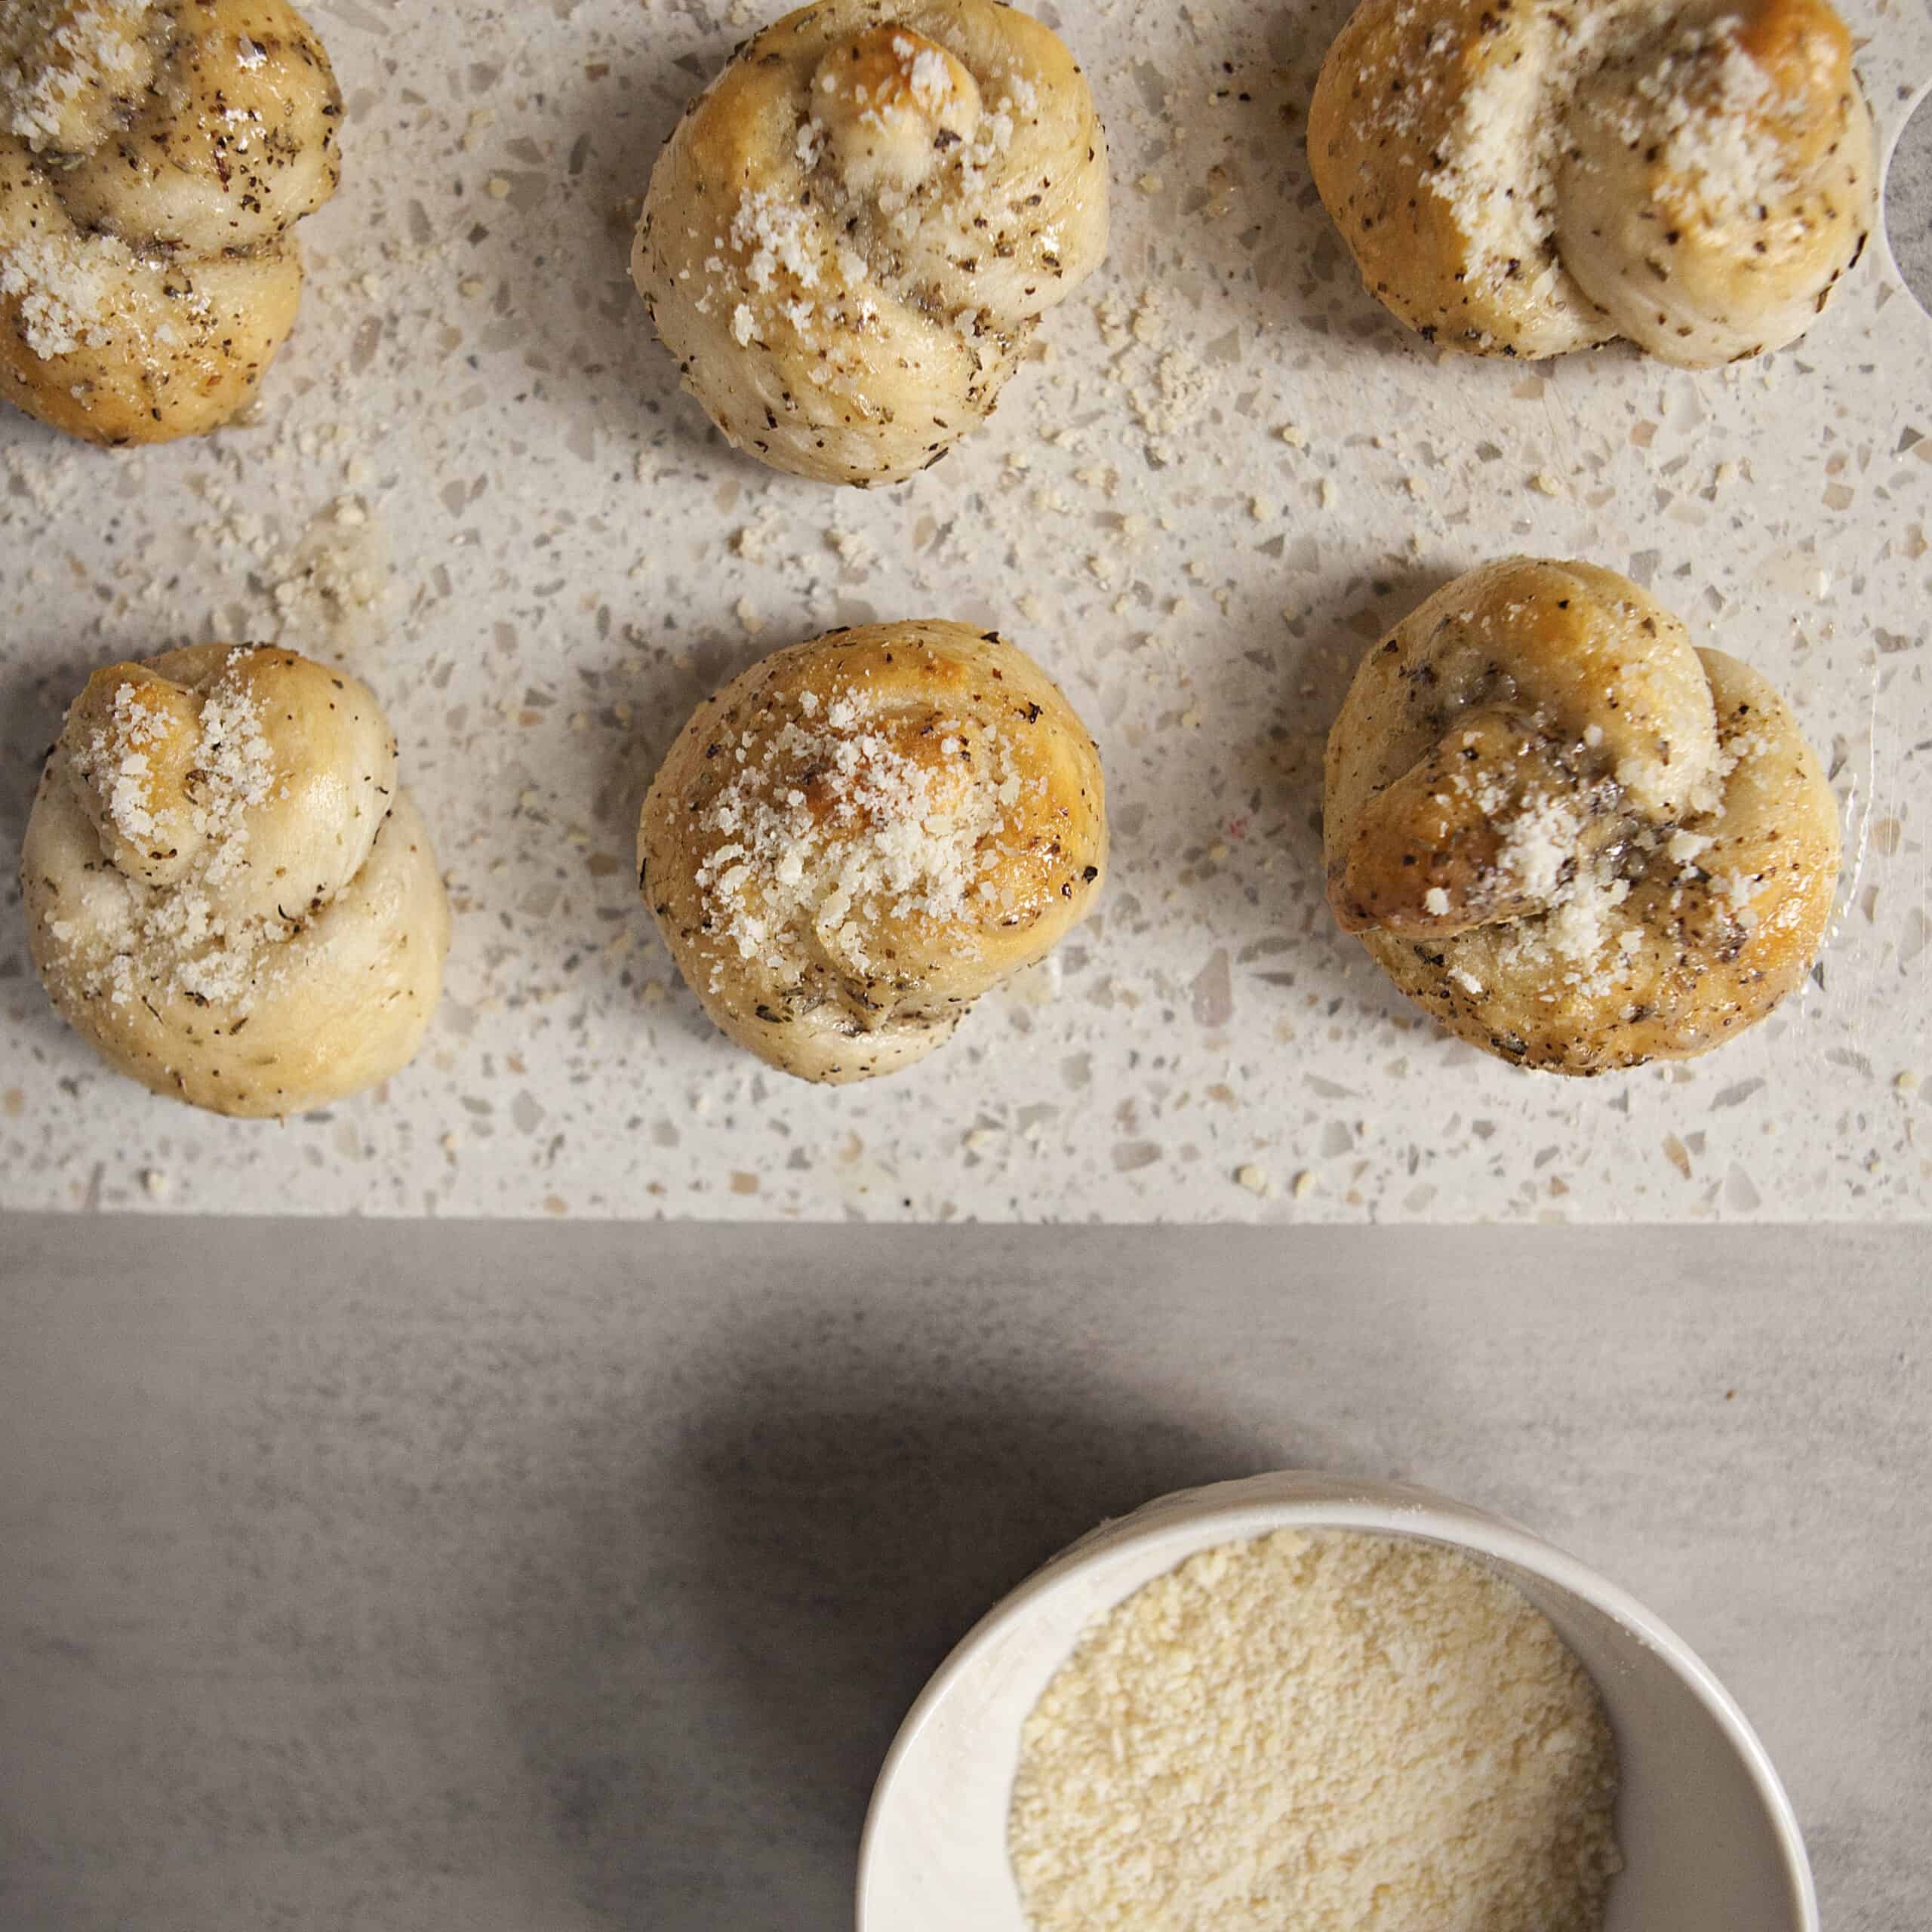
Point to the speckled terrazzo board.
(476, 484)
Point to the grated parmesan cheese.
(1700, 100)
(1538, 842)
(831, 825)
(55, 53)
(778, 235)
(184, 933)
(67, 287)
(781, 236)
(1711, 103)
(931, 79)
(1498, 168)
(1329, 1730)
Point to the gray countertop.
(576, 1576)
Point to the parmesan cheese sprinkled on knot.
(1579, 841)
(851, 237)
(1531, 180)
(892, 103)
(856, 839)
(155, 156)
(227, 895)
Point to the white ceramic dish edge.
(1233, 1511)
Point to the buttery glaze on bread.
(851, 237)
(1524, 177)
(856, 839)
(155, 157)
(1580, 843)
(227, 895)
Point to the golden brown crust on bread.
(228, 894)
(851, 237)
(1528, 179)
(1579, 842)
(856, 838)
(155, 157)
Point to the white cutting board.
(548, 559)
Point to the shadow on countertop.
(711, 1681)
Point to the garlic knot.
(850, 241)
(155, 156)
(228, 894)
(1578, 840)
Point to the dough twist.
(856, 839)
(227, 895)
(155, 156)
(852, 235)
(1528, 179)
(1578, 841)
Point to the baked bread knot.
(1580, 843)
(155, 156)
(850, 239)
(1525, 180)
(856, 839)
(228, 896)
